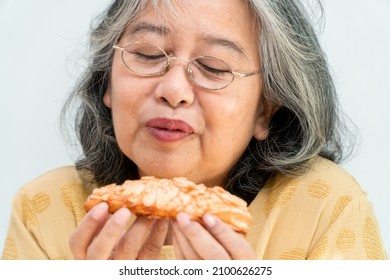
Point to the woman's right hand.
(101, 236)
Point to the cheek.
(240, 108)
(127, 101)
(125, 88)
(127, 92)
(231, 121)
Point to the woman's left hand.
(216, 240)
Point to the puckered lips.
(169, 130)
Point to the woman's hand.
(216, 240)
(104, 236)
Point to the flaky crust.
(165, 198)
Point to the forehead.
(229, 23)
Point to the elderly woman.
(235, 93)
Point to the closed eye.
(145, 57)
(211, 70)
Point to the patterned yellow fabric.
(323, 214)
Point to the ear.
(261, 130)
(107, 96)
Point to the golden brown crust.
(165, 198)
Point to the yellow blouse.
(323, 214)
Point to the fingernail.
(209, 220)
(99, 211)
(122, 216)
(183, 219)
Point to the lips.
(169, 130)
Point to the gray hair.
(296, 79)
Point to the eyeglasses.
(208, 72)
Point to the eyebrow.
(212, 40)
(144, 27)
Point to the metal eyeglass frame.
(188, 62)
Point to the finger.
(132, 241)
(105, 242)
(89, 226)
(236, 245)
(153, 244)
(206, 246)
(183, 248)
(178, 252)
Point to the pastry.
(165, 198)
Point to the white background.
(42, 45)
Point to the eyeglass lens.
(148, 60)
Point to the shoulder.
(323, 185)
(45, 212)
(56, 189)
(54, 180)
(320, 213)
(322, 179)
(325, 178)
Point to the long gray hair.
(295, 76)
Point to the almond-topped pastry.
(165, 198)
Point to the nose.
(175, 87)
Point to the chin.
(196, 178)
(163, 172)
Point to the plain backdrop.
(42, 52)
